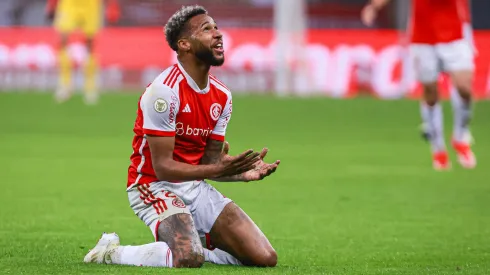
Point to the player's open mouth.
(218, 48)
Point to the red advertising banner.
(340, 63)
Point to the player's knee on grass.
(179, 232)
(431, 95)
(237, 234)
(265, 258)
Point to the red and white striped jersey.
(438, 21)
(174, 105)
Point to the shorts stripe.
(159, 205)
(156, 230)
(162, 204)
(156, 208)
(148, 198)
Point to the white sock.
(218, 256)
(462, 115)
(433, 119)
(156, 254)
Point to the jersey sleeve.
(159, 106)
(219, 130)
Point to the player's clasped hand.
(369, 14)
(234, 165)
(261, 169)
(258, 170)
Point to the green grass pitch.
(355, 192)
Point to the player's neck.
(198, 71)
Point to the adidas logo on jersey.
(186, 109)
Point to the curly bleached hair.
(177, 24)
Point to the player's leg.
(218, 256)
(457, 58)
(178, 245)
(177, 242)
(205, 203)
(91, 26)
(64, 23)
(109, 251)
(235, 232)
(427, 69)
(180, 233)
(90, 72)
(229, 234)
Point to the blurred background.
(355, 192)
(307, 47)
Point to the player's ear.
(184, 44)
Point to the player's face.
(207, 40)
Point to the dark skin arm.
(50, 9)
(112, 11)
(370, 11)
(168, 169)
(217, 151)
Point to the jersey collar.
(191, 81)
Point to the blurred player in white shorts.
(441, 42)
(179, 142)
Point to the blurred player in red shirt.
(441, 41)
(70, 16)
(179, 143)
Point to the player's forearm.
(233, 178)
(171, 170)
(212, 154)
(51, 5)
(379, 4)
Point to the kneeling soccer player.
(179, 141)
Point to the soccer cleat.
(440, 161)
(466, 157)
(101, 252)
(91, 98)
(62, 94)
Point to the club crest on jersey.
(178, 203)
(160, 105)
(215, 111)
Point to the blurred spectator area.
(248, 13)
(228, 13)
(238, 13)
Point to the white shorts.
(430, 60)
(468, 35)
(154, 202)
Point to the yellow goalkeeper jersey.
(84, 15)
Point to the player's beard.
(206, 55)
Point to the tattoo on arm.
(179, 232)
(212, 152)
